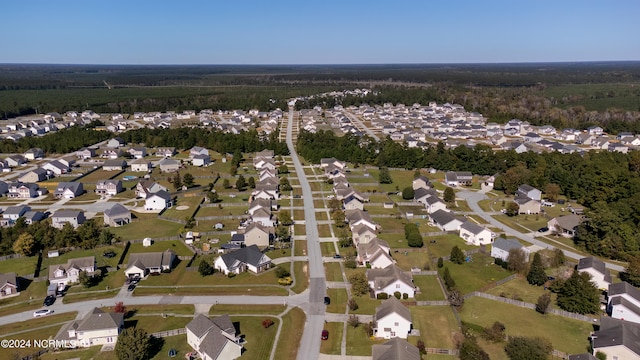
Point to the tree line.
(60, 142)
(606, 182)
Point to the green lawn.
(288, 344)
(159, 309)
(152, 324)
(338, 301)
(222, 309)
(437, 325)
(101, 261)
(259, 340)
(409, 258)
(441, 245)
(84, 296)
(20, 266)
(429, 287)
(366, 305)
(147, 225)
(324, 230)
(477, 274)
(520, 289)
(217, 211)
(568, 335)
(300, 248)
(333, 344)
(30, 298)
(190, 201)
(333, 271)
(301, 273)
(328, 248)
(34, 323)
(44, 333)
(358, 342)
(158, 246)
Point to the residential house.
(12, 213)
(31, 217)
(117, 215)
(623, 302)
(141, 165)
(111, 154)
(214, 339)
(67, 216)
(63, 275)
(9, 285)
(529, 191)
(15, 160)
(95, 328)
(262, 204)
(249, 258)
(324, 162)
(501, 247)
(445, 220)
(357, 217)
(24, 190)
(598, 271)
(169, 165)
(85, 153)
(422, 194)
(271, 190)
(56, 167)
(68, 190)
(4, 188)
(159, 201)
(165, 152)
(565, 225)
(142, 264)
(617, 339)
(197, 150)
(114, 165)
(264, 217)
(33, 154)
(138, 152)
(201, 160)
(144, 188)
(108, 187)
(433, 204)
(458, 178)
(392, 319)
(395, 349)
(390, 280)
(421, 182)
(527, 205)
(259, 235)
(475, 234)
(352, 203)
(33, 176)
(362, 234)
(375, 254)
(115, 143)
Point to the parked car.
(109, 254)
(131, 287)
(337, 256)
(43, 312)
(49, 300)
(325, 334)
(327, 300)
(543, 229)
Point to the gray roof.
(623, 288)
(65, 213)
(506, 244)
(395, 349)
(357, 214)
(442, 217)
(619, 300)
(569, 222)
(163, 194)
(249, 255)
(8, 278)
(200, 325)
(592, 262)
(211, 329)
(152, 259)
(614, 332)
(390, 306)
(526, 188)
(386, 276)
(472, 227)
(16, 210)
(74, 186)
(98, 319)
(422, 192)
(115, 210)
(114, 163)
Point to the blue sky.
(317, 32)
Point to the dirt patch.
(181, 207)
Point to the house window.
(396, 324)
(397, 286)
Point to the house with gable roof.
(144, 188)
(390, 280)
(69, 273)
(169, 165)
(392, 320)
(158, 201)
(362, 234)
(501, 247)
(598, 271)
(249, 258)
(95, 328)
(565, 225)
(213, 338)
(108, 187)
(475, 234)
(395, 349)
(529, 191)
(69, 190)
(445, 220)
(117, 215)
(258, 234)
(143, 264)
(67, 216)
(617, 339)
(421, 182)
(9, 285)
(33, 176)
(623, 302)
(357, 217)
(375, 253)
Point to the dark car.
(337, 256)
(131, 287)
(325, 334)
(327, 300)
(49, 300)
(543, 229)
(109, 254)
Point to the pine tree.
(536, 275)
(457, 256)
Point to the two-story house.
(108, 187)
(67, 216)
(392, 320)
(214, 338)
(65, 274)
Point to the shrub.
(421, 347)
(382, 296)
(231, 274)
(457, 255)
(440, 262)
(543, 303)
(397, 295)
(405, 296)
(285, 281)
(353, 305)
(353, 321)
(350, 264)
(282, 272)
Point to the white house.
(141, 165)
(9, 285)
(624, 302)
(249, 258)
(214, 339)
(390, 280)
(96, 328)
(475, 234)
(617, 339)
(501, 247)
(530, 192)
(598, 271)
(445, 220)
(158, 201)
(143, 264)
(69, 273)
(433, 204)
(375, 253)
(392, 320)
(362, 234)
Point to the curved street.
(472, 198)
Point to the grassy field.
(366, 305)
(519, 288)
(292, 322)
(301, 273)
(441, 245)
(190, 201)
(328, 248)
(333, 343)
(101, 261)
(358, 342)
(158, 246)
(146, 225)
(338, 301)
(333, 271)
(409, 258)
(568, 335)
(21, 266)
(222, 309)
(258, 339)
(156, 323)
(429, 288)
(437, 325)
(300, 248)
(477, 274)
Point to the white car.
(43, 312)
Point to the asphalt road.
(310, 344)
(473, 198)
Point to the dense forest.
(60, 142)
(606, 182)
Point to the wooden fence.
(173, 332)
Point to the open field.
(477, 274)
(146, 225)
(429, 288)
(437, 325)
